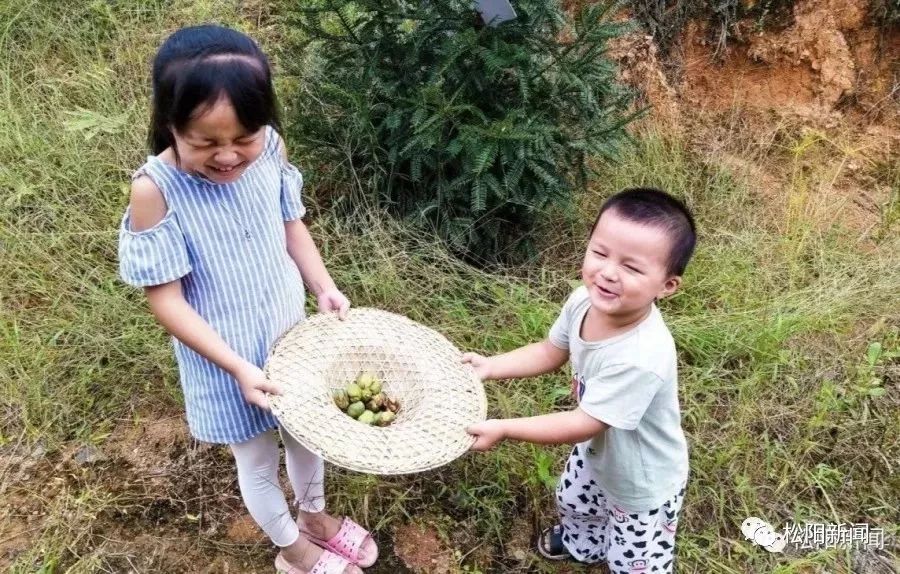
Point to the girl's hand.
(333, 300)
(480, 363)
(254, 385)
(489, 433)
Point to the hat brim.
(439, 396)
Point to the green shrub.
(471, 130)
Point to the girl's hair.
(195, 67)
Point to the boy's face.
(215, 144)
(626, 266)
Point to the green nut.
(354, 392)
(365, 380)
(368, 417)
(365, 394)
(341, 399)
(385, 418)
(356, 409)
(375, 385)
(376, 403)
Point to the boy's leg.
(643, 542)
(582, 510)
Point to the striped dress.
(226, 242)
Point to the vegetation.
(665, 19)
(787, 328)
(470, 130)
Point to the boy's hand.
(489, 433)
(254, 385)
(333, 300)
(480, 363)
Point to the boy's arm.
(528, 361)
(569, 427)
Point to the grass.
(787, 329)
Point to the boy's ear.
(670, 286)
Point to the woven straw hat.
(438, 395)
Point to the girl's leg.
(643, 542)
(257, 466)
(306, 471)
(582, 510)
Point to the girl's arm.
(528, 361)
(174, 313)
(303, 251)
(558, 428)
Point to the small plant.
(886, 13)
(665, 19)
(875, 373)
(472, 130)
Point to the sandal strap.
(348, 540)
(550, 544)
(328, 563)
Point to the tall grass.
(787, 327)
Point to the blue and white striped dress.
(226, 242)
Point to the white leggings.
(257, 467)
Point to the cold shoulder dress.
(226, 243)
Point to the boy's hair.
(654, 207)
(195, 67)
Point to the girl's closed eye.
(200, 142)
(208, 144)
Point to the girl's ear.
(670, 286)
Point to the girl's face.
(625, 266)
(216, 146)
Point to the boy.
(623, 484)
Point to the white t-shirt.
(629, 382)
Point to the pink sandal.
(347, 542)
(328, 563)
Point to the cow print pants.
(596, 530)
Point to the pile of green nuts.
(365, 401)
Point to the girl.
(213, 234)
